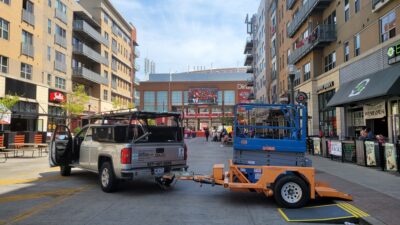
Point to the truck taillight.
(126, 156)
(186, 152)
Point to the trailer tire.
(290, 191)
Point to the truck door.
(60, 146)
(84, 152)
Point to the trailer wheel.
(291, 191)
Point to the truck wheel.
(291, 191)
(108, 180)
(65, 170)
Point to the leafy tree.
(117, 104)
(8, 101)
(76, 101)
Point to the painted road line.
(37, 209)
(353, 210)
(31, 180)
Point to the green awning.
(385, 83)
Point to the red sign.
(57, 97)
(199, 96)
(244, 95)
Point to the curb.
(369, 220)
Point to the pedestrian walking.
(207, 133)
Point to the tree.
(76, 101)
(117, 104)
(8, 101)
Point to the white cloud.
(181, 33)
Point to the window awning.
(385, 83)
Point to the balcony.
(114, 84)
(114, 30)
(84, 74)
(86, 51)
(304, 12)
(88, 31)
(320, 37)
(249, 46)
(136, 53)
(61, 16)
(27, 49)
(28, 17)
(290, 4)
(378, 4)
(249, 60)
(60, 40)
(136, 67)
(60, 66)
(250, 82)
(114, 49)
(250, 69)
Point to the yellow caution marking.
(66, 193)
(353, 210)
(283, 215)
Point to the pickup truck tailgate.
(144, 155)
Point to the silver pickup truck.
(123, 146)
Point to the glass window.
(26, 71)
(327, 115)
(106, 74)
(27, 6)
(357, 45)
(6, 1)
(149, 101)
(60, 83)
(331, 19)
(4, 29)
(105, 18)
(346, 10)
(49, 3)
(186, 97)
(388, 26)
(229, 97)
(357, 6)
(162, 101)
(177, 98)
(307, 71)
(60, 31)
(330, 61)
(106, 36)
(48, 53)
(219, 100)
(49, 79)
(3, 64)
(49, 26)
(60, 57)
(27, 38)
(105, 95)
(61, 7)
(346, 51)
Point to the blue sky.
(181, 33)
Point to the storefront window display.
(149, 101)
(327, 115)
(229, 97)
(162, 101)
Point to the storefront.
(56, 114)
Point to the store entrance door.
(379, 126)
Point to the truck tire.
(290, 191)
(65, 170)
(108, 180)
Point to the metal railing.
(290, 4)
(27, 49)
(80, 25)
(248, 60)
(60, 66)
(302, 15)
(250, 82)
(322, 34)
(28, 17)
(61, 16)
(90, 53)
(89, 75)
(60, 40)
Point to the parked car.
(123, 146)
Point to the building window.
(106, 55)
(60, 83)
(60, 57)
(330, 61)
(307, 71)
(49, 26)
(61, 7)
(177, 98)
(26, 71)
(4, 29)
(49, 78)
(48, 53)
(61, 31)
(105, 95)
(27, 6)
(3, 64)
(162, 101)
(388, 26)
(106, 36)
(105, 74)
(149, 101)
(27, 38)
(346, 10)
(346, 51)
(49, 3)
(6, 1)
(331, 19)
(327, 115)
(357, 45)
(357, 6)
(105, 18)
(229, 97)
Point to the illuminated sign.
(199, 96)
(56, 96)
(393, 54)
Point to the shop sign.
(370, 153)
(374, 111)
(393, 54)
(336, 148)
(301, 98)
(56, 96)
(243, 87)
(317, 146)
(360, 87)
(390, 153)
(326, 86)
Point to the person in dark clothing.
(207, 133)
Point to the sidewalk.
(376, 192)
